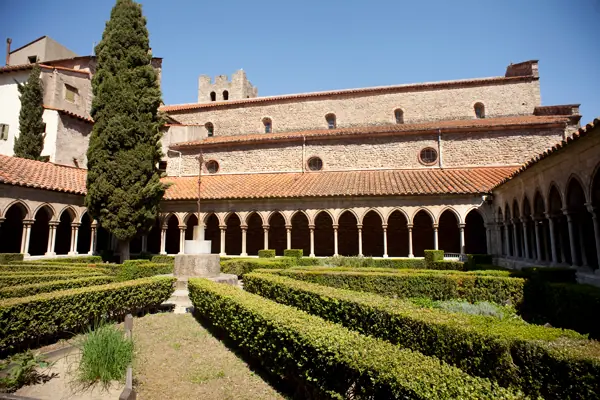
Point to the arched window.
(212, 166)
(330, 118)
(213, 96)
(268, 125)
(479, 110)
(225, 95)
(210, 128)
(399, 115)
(315, 164)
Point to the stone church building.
(467, 166)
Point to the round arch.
(448, 231)
(375, 210)
(84, 236)
(475, 233)
(300, 222)
(49, 208)
(40, 231)
(547, 200)
(73, 215)
(457, 215)
(347, 233)
(426, 211)
(422, 232)
(400, 210)
(11, 229)
(397, 233)
(324, 235)
(64, 230)
(277, 232)
(251, 214)
(24, 207)
(372, 234)
(343, 211)
(254, 233)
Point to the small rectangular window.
(162, 166)
(3, 131)
(71, 93)
(32, 59)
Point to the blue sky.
(304, 46)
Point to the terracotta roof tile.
(583, 131)
(517, 122)
(343, 183)
(23, 67)
(42, 175)
(369, 90)
(71, 114)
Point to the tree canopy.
(30, 142)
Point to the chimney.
(8, 42)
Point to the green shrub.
(136, 262)
(438, 286)
(269, 253)
(163, 259)
(480, 308)
(476, 259)
(548, 274)
(553, 363)
(241, 266)
(143, 255)
(21, 370)
(136, 270)
(305, 261)
(431, 256)
(26, 279)
(82, 259)
(105, 355)
(368, 262)
(297, 253)
(26, 319)
(108, 256)
(565, 305)
(6, 258)
(47, 268)
(404, 271)
(345, 364)
(448, 264)
(51, 286)
(488, 267)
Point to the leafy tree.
(123, 182)
(30, 142)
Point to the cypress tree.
(30, 142)
(123, 182)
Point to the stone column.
(359, 226)
(538, 245)
(461, 227)
(244, 231)
(74, 236)
(335, 239)
(51, 238)
(144, 243)
(592, 210)
(288, 229)
(572, 242)
(584, 260)
(93, 239)
(223, 229)
(266, 236)
(515, 238)
(488, 238)
(410, 249)
(26, 235)
(435, 237)
(182, 229)
(312, 240)
(163, 239)
(552, 239)
(507, 239)
(385, 253)
(525, 238)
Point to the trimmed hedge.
(26, 279)
(304, 261)
(431, 256)
(136, 262)
(163, 259)
(542, 361)
(342, 363)
(437, 286)
(43, 268)
(26, 319)
(6, 258)
(241, 266)
(405, 271)
(137, 270)
(548, 274)
(68, 260)
(267, 253)
(297, 253)
(477, 259)
(35, 288)
(368, 262)
(448, 265)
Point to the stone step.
(181, 284)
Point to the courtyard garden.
(340, 327)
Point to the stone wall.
(72, 141)
(509, 147)
(54, 82)
(239, 87)
(501, 98)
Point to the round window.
(315, 164)
(428, 155)
(212, 167)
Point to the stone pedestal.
(197, 265)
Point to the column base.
(90, 253)
(49, 254)
(411, 256)
(222, 254)
(163, 253)
(181, 252)
(336, 255)
(312, 255)
(244, 255)
(385, 256)
(72, 253)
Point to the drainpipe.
(303, 151)
(175, 151)
(440, 147)
(8, 42)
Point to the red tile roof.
(520, 122)
(24, 67)
(583, 131)
(71, 114)
(42, 175)
(344, 183)
(363, 91)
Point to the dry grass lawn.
(177, 358)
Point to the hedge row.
(26, 279)
(542, 361)
(296, 253)
(52, 286)
(340, 362)
(241, 266)
(406, 271)
(6, 258)
(132, 270)
(42, 268)
(162, 259)
(27, 319)
(437, 286)
(368, 262)
(266, 253)
(83, 259)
